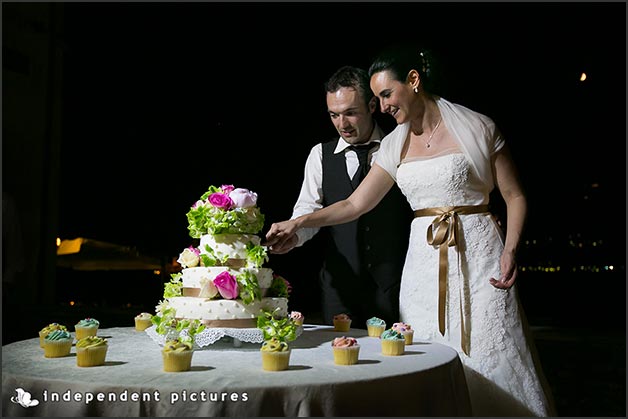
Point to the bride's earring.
(416, 90)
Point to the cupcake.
(346, 350)
(297, 318)
(375, 326)
(46, 330)
(143, 321)
(406, 330)
(275, 355)
(91, 351)
(177, 355)
(57, 343)
(342, 322)
(86, 327)
(393, 343)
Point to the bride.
(457, 286)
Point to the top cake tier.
(225, 210)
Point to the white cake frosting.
(204, 309)
(232, 246)
(194, 277)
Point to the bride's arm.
(516, 208)
(367, 195)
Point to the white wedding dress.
(502, 372)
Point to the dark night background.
(118, 116)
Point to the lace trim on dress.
(446, 152)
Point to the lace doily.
(212, 335)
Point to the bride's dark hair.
(400, 59)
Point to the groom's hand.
(284, 247)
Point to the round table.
(428, 380)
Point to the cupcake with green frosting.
(393, 343)
(375, 326)
(177, 355)
(275, 355)
(277, 331)
(86, 327)
(91, 351)
(57, 343)
(46, 330)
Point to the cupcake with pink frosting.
(346, 350)
(406, 330)
(342, 322)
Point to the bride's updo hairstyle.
(399, 60)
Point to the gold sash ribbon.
(443, 232)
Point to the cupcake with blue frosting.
(393, 343)
(86, 327)
(46, 330)
(57, 343)
(375, 326)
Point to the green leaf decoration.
(249, 287)
(274, 326)
(174, 288)
(256, 255)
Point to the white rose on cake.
(190, 257)
(208, 289)
(243, 198)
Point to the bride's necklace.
(429, 140)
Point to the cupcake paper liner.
(375, 331)
(141, 325)
(346, 355)
(81, 332)
(342, 325)
(91, 357)
(177, 361)
(275, 361)
(57, 348)
(393, 347)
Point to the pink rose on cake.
(220, 200)
(227, 189)
(227, 285)
(225, 210)
(243, 198)
(190, 257)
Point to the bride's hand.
(509, 272)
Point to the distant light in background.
(583, 76)
(58, 241)
(71, 303)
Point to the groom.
(363, 259)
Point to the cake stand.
(209, 336)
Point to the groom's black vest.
(371, 248)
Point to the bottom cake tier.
(226, 313)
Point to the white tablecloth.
(428, 380)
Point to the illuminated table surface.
(428, 380)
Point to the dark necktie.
(363, 154)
